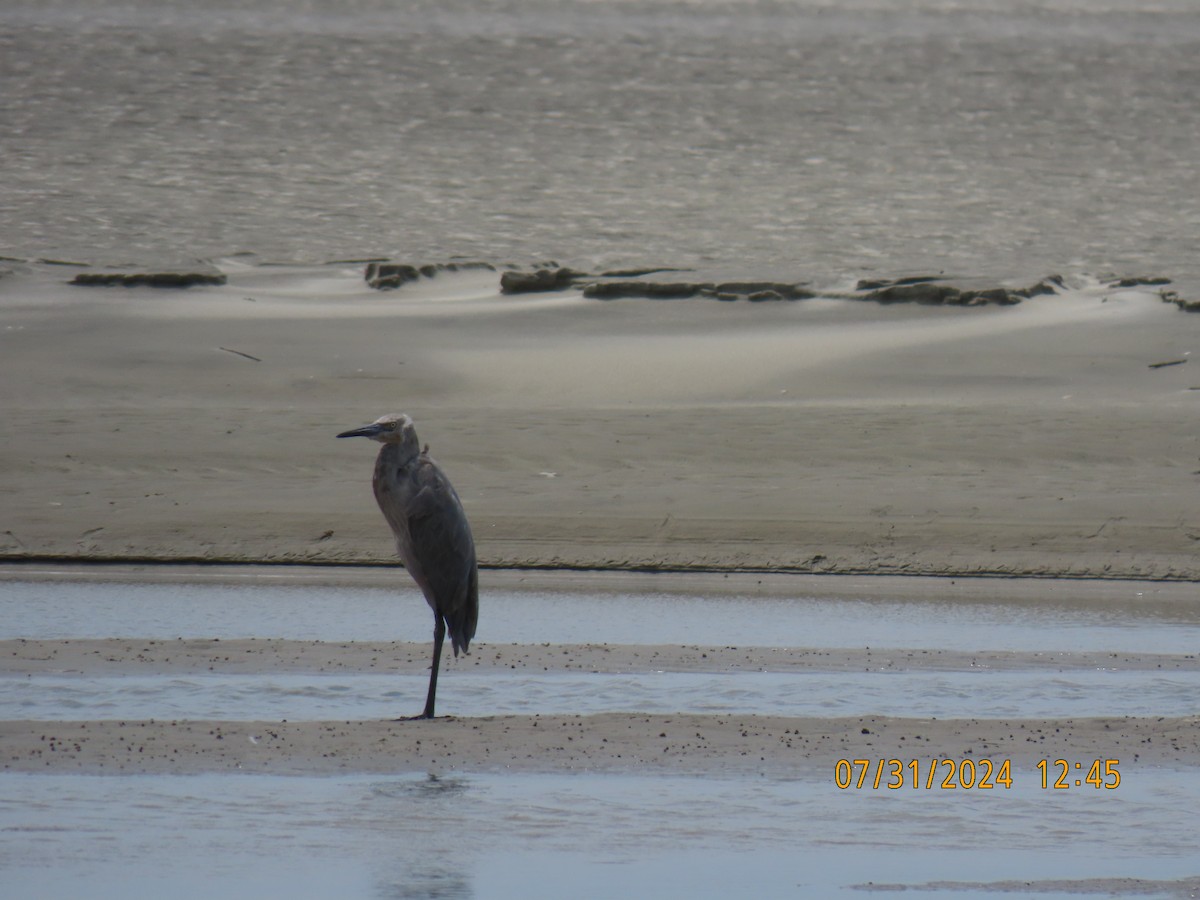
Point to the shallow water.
(465, 835)
(38, 609)
(972, 695)
(52, 609)
(879, 136)
(502, 836)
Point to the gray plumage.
(433, 537)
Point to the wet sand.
(119, 656)
(812, 435)
(612, 742)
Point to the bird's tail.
(461, 623)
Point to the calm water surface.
(543, 836)
(72, 609)
(876, 136)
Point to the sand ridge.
(809, 436)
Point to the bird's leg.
(439, 635)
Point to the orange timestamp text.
(970, 774)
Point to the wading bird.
(432, 535)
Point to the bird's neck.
(396, 456)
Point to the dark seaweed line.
(546, 277)
(921, 289)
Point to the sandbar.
(818, 435)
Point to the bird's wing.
(442, 546)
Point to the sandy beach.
(812, 436)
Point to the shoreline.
(1083, 590)
(15, 562)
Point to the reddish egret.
(432, 535)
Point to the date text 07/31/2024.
(971, 774)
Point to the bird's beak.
(369, 431)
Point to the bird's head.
(394, 428)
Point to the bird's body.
(433, 537)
